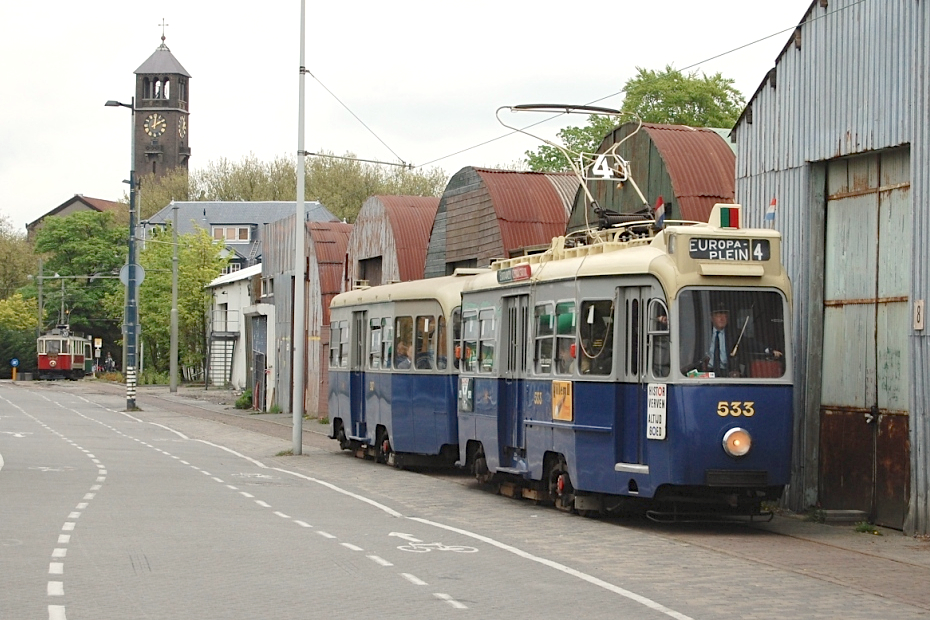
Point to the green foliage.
(17, 259)
(244, 401)
(668, 97)
(864, 527)
(675, 98)
(83, 245)
(576, 139)
(200, 261)
(275, 408)
(153, 377)
(18, 343)
(18, 314)
(341, 185)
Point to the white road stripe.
(302, 523)
(351, 546)
(378, 560)
(324, 534)
(450, 600)
(96, 487)
(56, 588)
(89, 496)
(56, 612)
(64, 539)
(59, 552)
(218, 479)
(229, 486)
(68, 526)
(244, 494)
(81, 506)
(412, 579)
(74, 515)
(282, 515)
(56, 568)
(262, 504)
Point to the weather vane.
(163, 24)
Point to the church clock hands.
(182, 126)
(155, 125)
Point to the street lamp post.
(131, 312)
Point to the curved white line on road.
(651, 604)
(1, 461)
(647, 602)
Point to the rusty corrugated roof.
(330, 242)
(411, 219)
(530, 211)
(700, 164)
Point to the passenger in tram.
(566, 361)
(402, 355)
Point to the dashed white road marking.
(379, 560)
(56, 612)
(351, 547)
(64, 539)
(59, 552)
(282, 515)
(56, 588)
(56, 568)
(302, 523)
(68, 526)
(413, 579)
(450, 600)
(324, 534)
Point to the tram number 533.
(736, 408)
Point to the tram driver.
(727, 348)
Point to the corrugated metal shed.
(326, 251)
(325, 248)
(691, 168)
(394, 231)
(851, 80)
(486, 214)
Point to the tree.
(674, 98)
(200, 261)
(18, 314)
(340, 184)
(668, 97)
(17, 259)
(576, 139)
(83, 246)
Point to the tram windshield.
(731, 333)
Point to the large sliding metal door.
(864, 451)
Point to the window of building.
(232, 234)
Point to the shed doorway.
(864, 448)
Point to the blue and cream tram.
(392, 370)
(633, 363)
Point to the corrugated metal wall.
(919, 508)
(856, 82)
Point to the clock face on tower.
(155, 125)
(182, 126)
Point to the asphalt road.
(189, 510)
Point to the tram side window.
(565, 338)
(544, 321)
(374, 343)
(488, 338)
(441, 344)
(64, 347)
(470, 342)
(403, 339)
(659, 337)
(425, 358)
(596, 328)
(343, 344)
(387, 339)
(334, 344)
(731, 333)
(456, 335)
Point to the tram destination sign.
(706, 248)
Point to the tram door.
(514, 332)
(357, 374)
(634, 301)
(864, 449)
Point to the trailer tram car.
(636, 364)
(393, 372)
(63, 354)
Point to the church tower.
(162, 114)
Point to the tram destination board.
(705, 248)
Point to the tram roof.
(446, 290)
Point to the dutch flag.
(770, 212)
(659, 214)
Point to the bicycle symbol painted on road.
(417, 547)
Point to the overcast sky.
(425, 78)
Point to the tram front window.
(731, 333)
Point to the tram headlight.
(736, 442)
(52, 363)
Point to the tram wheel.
(383, 449)
(560, 485)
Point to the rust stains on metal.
(700, 164)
